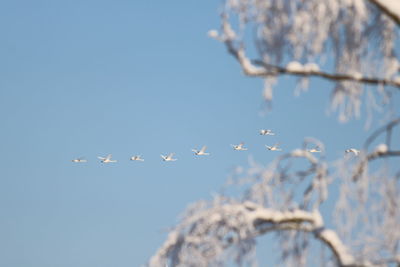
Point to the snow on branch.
(284, 198)
(381, 151)
(351, 43)
(390, 8)
(300, 70)
(193, 231)
(262, 69)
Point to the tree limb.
(389, 10)
(268, 70)
(255, 216)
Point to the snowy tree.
(351, 43)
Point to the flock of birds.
(202, 151)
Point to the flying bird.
(169, 157)
(79, 160)
(239, 147)
(137, 158)
(107, 159)
(273, 148)
(353, 150)
(266, 132)
(201, 152)
(314, 150)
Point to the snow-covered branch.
(381, 151)
(258, 68)
(297, 69)
(350, 43)
(193, 231)
(390, 8)
(284, 199)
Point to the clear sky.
(89, 78)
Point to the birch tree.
(351, 43)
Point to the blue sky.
(89, 78)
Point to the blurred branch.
(381, 151)
(388, 8)
(261, 220)
(377, 154)
(386, 128)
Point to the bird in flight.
(107, 159)
(273, 148)
(314, 150)
(137, 158)
(79, 160)
(169, 157)
(239, 147)
(266, 132)
(353, 150)
(201, 152)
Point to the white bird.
(79, 160)
(353, 150)
(239, 147)
(266, 132)
(137, 158)
(107, 159)
(314, 150)
(274, 147)
(201, 152)
(169, 157)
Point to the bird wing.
(203, 149)
(101, 158)
(171, 155)
(109, 156)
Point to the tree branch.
(377, 154)
(268, 70)
(329, 76)
(390, 8)
(255, 217)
